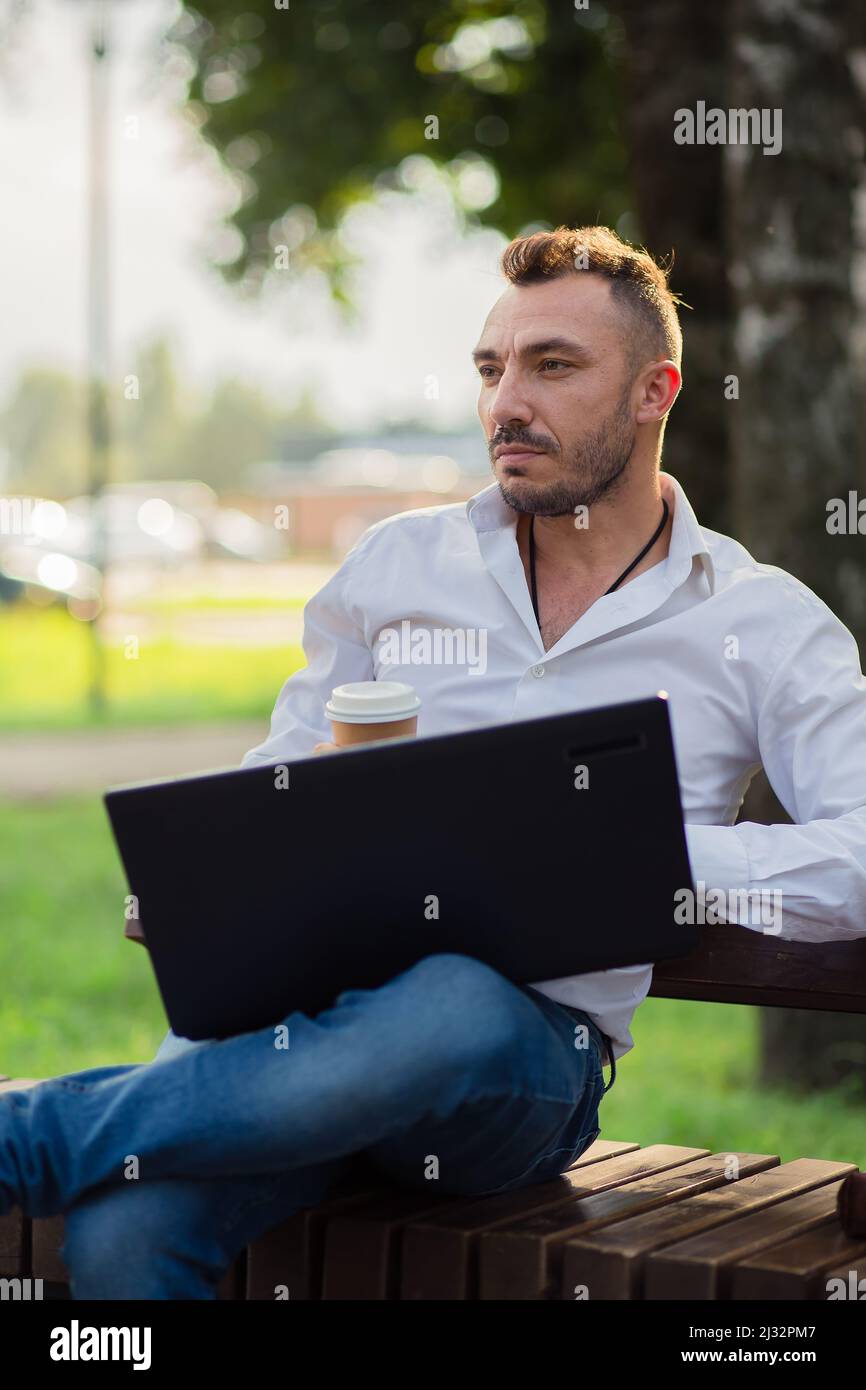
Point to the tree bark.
(674, 56)
(795, 429)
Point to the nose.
(507, 404)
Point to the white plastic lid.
(372, 702)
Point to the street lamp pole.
(98, 330)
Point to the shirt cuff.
(718, 859)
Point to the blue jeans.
(448, 1079)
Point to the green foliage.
(314, 107)
(239, 428)
(161, 429)
(151, 426)
(42, 427)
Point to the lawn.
(77, 994)
(44, 674)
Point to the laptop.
(545, 847)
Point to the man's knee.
(476, 1012)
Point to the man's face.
(555, 396)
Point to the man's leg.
(506, 1143)
(448, 1033)
(175, 1238)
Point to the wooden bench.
(662, 1221)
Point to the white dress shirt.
(758, 671)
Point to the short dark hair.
(638, 282)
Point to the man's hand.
(326, 748)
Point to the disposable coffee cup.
(367, 711)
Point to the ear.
(659, 386)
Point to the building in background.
(332, 499)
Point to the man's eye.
(553, 361)
(483, 370)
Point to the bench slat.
(524, 1259)
(47, 1238)
(14, 1229)
(612, 1261)
(293, 1253)
(440, 1253)
(13, 1244)
(702, 1267)
(233, 1284)
(796, 1268)
(857, 1268)
(362, 1252)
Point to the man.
(591, 580)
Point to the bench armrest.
(132, 930)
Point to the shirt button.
(537, 670)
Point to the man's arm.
(336, 652)
(812, 740)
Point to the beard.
(592, 469)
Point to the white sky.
(424, 290)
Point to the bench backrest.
(737, 965)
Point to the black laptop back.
(546, 848)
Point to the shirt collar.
(487, 510)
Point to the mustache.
(532, 441)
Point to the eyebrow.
(549, 345)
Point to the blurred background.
(246, 253)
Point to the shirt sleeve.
(336, 652)
(812, 740)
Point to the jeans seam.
(566, 1151)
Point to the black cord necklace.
(626, 572)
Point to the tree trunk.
(675, 56)
(804, 1049)
(795, 428)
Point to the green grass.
(76, 994)
(691, 1079)
(44, 675)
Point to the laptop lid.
(546, 847)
